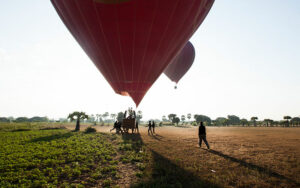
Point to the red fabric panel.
(132, 42)
(181, 64)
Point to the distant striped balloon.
(132, 41)
(181, 64)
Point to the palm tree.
(254, 120)
(78, 116)
(183, 118)
(189, 116)
(287, 120)
(97, 117)
(113, 116)
(92, 118)
(105, 115)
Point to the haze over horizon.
(247, 64)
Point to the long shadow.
(253, 166)
(20, 130)
(156, 136)
(163, 172)
(52, 137)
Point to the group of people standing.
(151, 127)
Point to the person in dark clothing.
(137, 126)
(119, 125)
(202, 135)
(115, 126)
(150, 127)
(153, 126)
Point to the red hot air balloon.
(181, 64)
(132, 41)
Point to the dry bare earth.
(239, 157)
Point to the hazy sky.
(247, 64)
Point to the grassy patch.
(58, 157)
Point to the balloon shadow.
(163, 172)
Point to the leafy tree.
(38, 119)
(268, 122)
(113, 116)
(183, 118)
(77, 116)
(254, 120)
(98, 117)
(234, 120)
(105, 115)
(91, 118)
(164, 118)
(189, 116)
(22, 119)
(171, 117)
(120, 116)
(176, 120)
(220, 121)
(295, 121)
(202, 118)
(226, 122)
(287, 118)
(244, 122)
(4, 119)
(271, 122)
(139, 116)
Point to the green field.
(34, 155)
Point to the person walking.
(202, 135)
(153, 126)
(150, 128)
(137, 126)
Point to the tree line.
(24, 119)
(231, 120)
(105, 117)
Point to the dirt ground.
(238, 156)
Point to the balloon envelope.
(181, 64)
(132, 41)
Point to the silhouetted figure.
(202, 135)
(117, 126)
(129, 114)
(150, 127)
(137, 126)
(153, 126)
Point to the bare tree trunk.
(77, 125)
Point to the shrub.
(90, 130)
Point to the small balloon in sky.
(181, 63)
